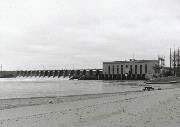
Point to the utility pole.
(177, 70)
(174, 62)
(178, 58)
(170, 60)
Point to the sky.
(70, 34)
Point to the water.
(41, 87)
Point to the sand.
(159, 108)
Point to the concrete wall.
(8, 74)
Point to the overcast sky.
(56, 34)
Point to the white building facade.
(132, 69)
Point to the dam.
(81, 74)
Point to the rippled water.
(40, 87)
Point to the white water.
(33, 78)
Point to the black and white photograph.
(89, 63)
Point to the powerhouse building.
(132, 69)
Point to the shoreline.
(32, 101)
(150, 108)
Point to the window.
(121, 69)
(109, 68)
(135, 69)
(113, 69)
(130, 69)
(117, 69)
(146, 68)
(140, 69)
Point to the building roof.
(130, 61)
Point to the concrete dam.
(81, 74)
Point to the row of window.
(130, 71)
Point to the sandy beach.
(159, 108)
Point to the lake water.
(41, 87)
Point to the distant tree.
(157, 68)
(178, 71)
(167, 73)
